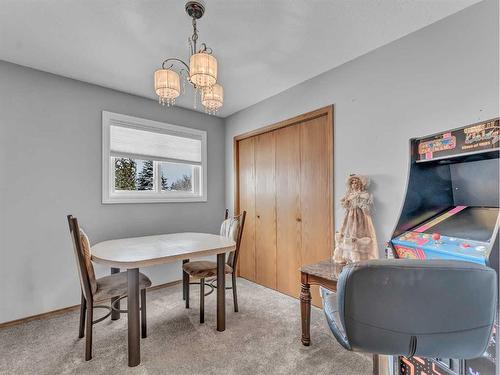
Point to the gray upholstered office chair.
(112, 287)
(203, 270)
(428, 308)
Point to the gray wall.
(50, 157)
(441, 77)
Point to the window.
(147, 161)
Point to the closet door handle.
(258, 216)
(299, 219)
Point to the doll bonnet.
(365, 180)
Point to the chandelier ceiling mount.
(195, 9)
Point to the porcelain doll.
(356, 239)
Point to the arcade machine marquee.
(451, 211)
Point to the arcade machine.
(451, 211)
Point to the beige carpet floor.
(263, 338)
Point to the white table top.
(139, 252)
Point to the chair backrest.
(428, 308)
(233, 228)
(81, 246)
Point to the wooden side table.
(324, 274)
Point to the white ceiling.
(263, 46)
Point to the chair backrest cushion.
(230, 229)
(84, 240)
(429, 308)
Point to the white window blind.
(147, 161)
(157, 145)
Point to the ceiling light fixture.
(201, 72)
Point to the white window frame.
(110, 196)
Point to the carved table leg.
(305, 310)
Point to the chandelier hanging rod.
(194, 37)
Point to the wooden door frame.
(327, 111)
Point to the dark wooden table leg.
(134, 342)
(115, 315)
(221, 292)
(305, 310)
(185, 281)
(375, 364)
(202, 300)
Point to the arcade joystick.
(464, 245)
(436, 236)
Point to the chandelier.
(201, 72)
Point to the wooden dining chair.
(112, 287)
(203, 270)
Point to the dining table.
(133, 253)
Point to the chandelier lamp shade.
(201, 72)
(203, 69)
(167, 86)
(212, 98)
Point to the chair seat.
(115, 285)
(203, 268)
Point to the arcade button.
(480, 248)
(464, 245)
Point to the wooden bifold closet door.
(288, 213)
(247, 203)
(265, 210)
(285, 183)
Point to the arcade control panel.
(461, 233)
